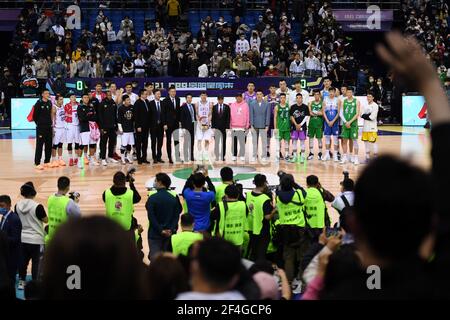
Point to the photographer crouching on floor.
(119, 200)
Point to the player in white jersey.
(331, 107)
(370, 129)
(72, 130)
(283, 88)
(203, 110)
(59, 131)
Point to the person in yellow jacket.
(261, 211)
(173, 11)
(231, 216)
(60, 207)
(290, 203)
(182, 241)
(316, 210)
(119, 200)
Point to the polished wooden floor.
(17, 154)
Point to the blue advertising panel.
(414, 111)
(20, 109)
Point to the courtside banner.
(414, 111)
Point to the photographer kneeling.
(119, 200)
(290, 202)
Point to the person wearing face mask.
(162, 54)
(58, 67)
(11, 227)
(260, 25)
(265, 32)
(29, 84)
(163, 209)
(224, 64)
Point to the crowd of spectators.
(44, 48)
(218, 48)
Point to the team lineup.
(289, 116)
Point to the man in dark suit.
(11, 227)
(221, 122)
(142, 125)
(156, 126)
(170, 122)
(187, 118)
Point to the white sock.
(375, 148)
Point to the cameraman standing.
(261, 211)
(316, 209)
(291, 206)
(60, 207)
(119, 200)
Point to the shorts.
(349, 133)
(284, 135)
(86, 138)
(298, 135)
(72, 134)
(127, 139)
(203, 134)
(60, 136)
(369, 136)
(315, 132)
(331, 131)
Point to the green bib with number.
(349, 109)
(120, 208)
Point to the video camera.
(201, 168)
(75, 196)
(346, 175)
(129, 176)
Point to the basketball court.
(17, 154)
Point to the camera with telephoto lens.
(346, 175)
(281, 173)
(74, 195)
(129, 176)
(201, 169)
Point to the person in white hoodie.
(33, 216)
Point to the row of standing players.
(101, 116)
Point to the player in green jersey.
(349, 114)
(315, 128)
(282, 121)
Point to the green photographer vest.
(233, 222)
(57, 214)
(120, 208)
(315, 208)
(181, 242)
(256, 212)
(292, 213)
